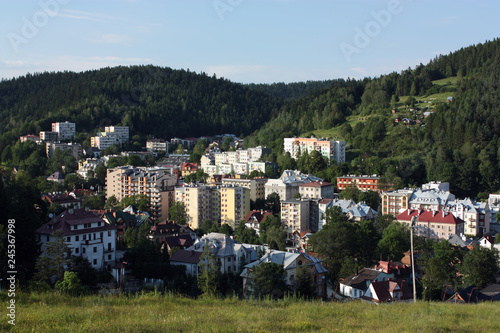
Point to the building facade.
(364, 182)
(86, 234)
(432, 224)
(332, 150)
(65, 131)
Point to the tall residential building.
(155, 183)
(202, 203)
(256, 186)
(65, 131)
(332, 150)
(235, 204)
(86, 234)
(221, 204)
(295, 215)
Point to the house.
(472, 294)
(388, 291)
(189, 259)
(476, 215)
(291, 262)
(57, 177)
(123, 220)
(65, 200)
(169, 228)
(255, 217)
(300, 239)
(356, 285)
(230, 255)
(85, 233)
(188, 168)
(355, 211)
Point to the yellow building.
(235, 205)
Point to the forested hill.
(151, 100)
(459, 142)
(294, 90)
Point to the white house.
(86, 234)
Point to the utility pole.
(414, 219)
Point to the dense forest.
(154, 101)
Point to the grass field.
(156, 313)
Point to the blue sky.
(260, 41)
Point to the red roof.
(429, 216)
(259, 216)
(190, 166)
(66, 220)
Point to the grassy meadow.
(157, 313)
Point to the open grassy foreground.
(156, 313)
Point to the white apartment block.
(121, 132)
(86, 234)
(157, 145)
(65, 131)
(332, 150)
(103, 142)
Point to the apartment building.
(86, 234)
(235, 204)
(364, 182)
(65, 131)
(202, 203)
(257, 186)
(157, 145)
(316, 190)
(102, 142)
(393, 202)
(430, 199)
(287, 186)
(155, 183)
(432, 224)
(476, 215)
(355, 211)
(120, 132)
(332, 150)
(75, 148)
(295, 215)
(48, 136)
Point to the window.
(109, 256)
(109, 233)
(77, 238)
(95, 261)
(100, 235)
(77, 250)
(109, 246)
(83, 250)
(48, 237)
(68, 239)
(95, 249)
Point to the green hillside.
(458, 142)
